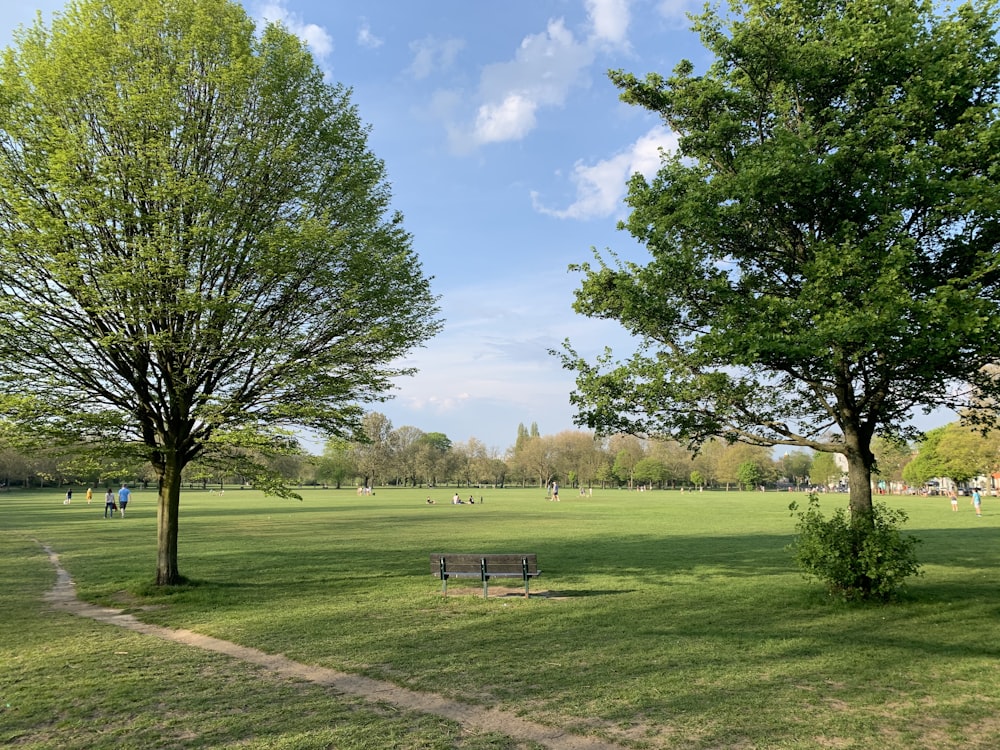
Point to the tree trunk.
(860, 460)
(167, 510)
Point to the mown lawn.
(661, 620)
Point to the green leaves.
(192, 220)
(860, 557)
(822, 247)
(194, 236)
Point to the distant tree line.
(409, 457)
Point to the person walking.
(109, 504)
(123, 498)
(977, 502)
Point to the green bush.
(858, 558)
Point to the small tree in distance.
(750, 475)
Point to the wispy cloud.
(600, 187)
(482, 365)
(432, 55)
(544, 68)
(676, 11)
(610, 20)
(512, 95)
(319, 41)
(366, 38)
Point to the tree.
(927, 463)
(578, 456)
(890, 458)
(497, 470)
(822, 244)
(407, 463)
(435, 456)
(335, 465)
(966, 453)
(627, 451)
(732, 463)
(536, 458)
(707, 461)
(796, 466)
(825, 470)
(372, 452)
(749, 474)
(472, 461)
(196, 246)
(952, 451)
(650, 471)
(675, 458)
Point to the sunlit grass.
(661, 619)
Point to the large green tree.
(197, 248)
(823, 241)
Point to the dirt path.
(63, 597)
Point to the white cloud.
(430, 55)
(600, 187)
(677, 11)
(610, 20)
(437, 404)
(319, 41)
(508, 120)
(545, 67)
(366, 38)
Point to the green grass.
(663, 620)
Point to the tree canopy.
(822, 245)
(954, 451)
(197, 248)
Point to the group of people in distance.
(977, 501)
(110, 505)
(456, 500)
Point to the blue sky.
(508, 151)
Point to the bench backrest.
(471, 563)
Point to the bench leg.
(486, 588)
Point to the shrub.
(858, 558)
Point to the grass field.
(661, 620)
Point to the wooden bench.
(465, 565)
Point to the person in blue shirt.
(123, 498)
